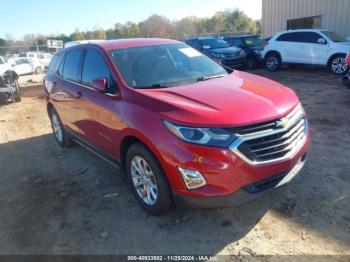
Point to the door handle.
(79, 94)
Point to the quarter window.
(95, 67)
(71, 68)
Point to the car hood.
(235, 100)
(227, 50)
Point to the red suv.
(183, 128)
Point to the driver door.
(98, 122)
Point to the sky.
(20, 17)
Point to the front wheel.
(147, 180)
(273, 62)
(38, 70)
(338, 65)
(16, 95)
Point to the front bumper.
(7, 90)
(246, 193)
(233, 62)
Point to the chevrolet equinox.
(184, 129)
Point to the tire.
(60, 134)
(337, 65)
(151, 190)
(38, 70)
(273, 62)
(251, 62)
(17, 94)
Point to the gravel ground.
(56, 201)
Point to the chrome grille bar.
(271, 145)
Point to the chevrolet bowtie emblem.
(282, 123)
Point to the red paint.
(236, 100)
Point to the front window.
(334, 36)
(213, 43)
(164, 65)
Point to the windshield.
(253, 41)
(213, 43)
(334, 36)
(164, 65)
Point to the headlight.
(218, 56)
(203, 136)
(242, 52)
(258, 52)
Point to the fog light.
(193, 179)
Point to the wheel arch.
(333, 56)
(131, 139)
(49, 107)
(273, 52)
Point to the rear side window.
(95, 67)
(71, 68)
(289, 37)
(54, 62)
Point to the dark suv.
(219, 50)
(252, 45)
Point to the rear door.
(66, 93)
(289, 46)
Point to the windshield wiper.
(204, 78)
(152, 86)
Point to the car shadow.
(68, 201)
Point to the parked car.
(41, 57)
(25, 66)
(219, 50)
(182, 127)
(307, 47)
(9, 88)
(252, 45)
(346, 78)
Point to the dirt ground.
(56, 201)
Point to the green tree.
(157, 26)
(77, 35)
(3, 46)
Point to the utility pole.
(36, 44)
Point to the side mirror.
(101, 84)
(321, 41)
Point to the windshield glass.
(213, 43)
(253, 41)
(334, 36)
(164, 65)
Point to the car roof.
(124, 43)
(303, 30)
(202, 38)
(240, 36)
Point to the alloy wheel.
(339, 66)
(144, 180)
(272, 63)
(56, 126)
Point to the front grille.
(274, 140)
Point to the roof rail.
(81, 42)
